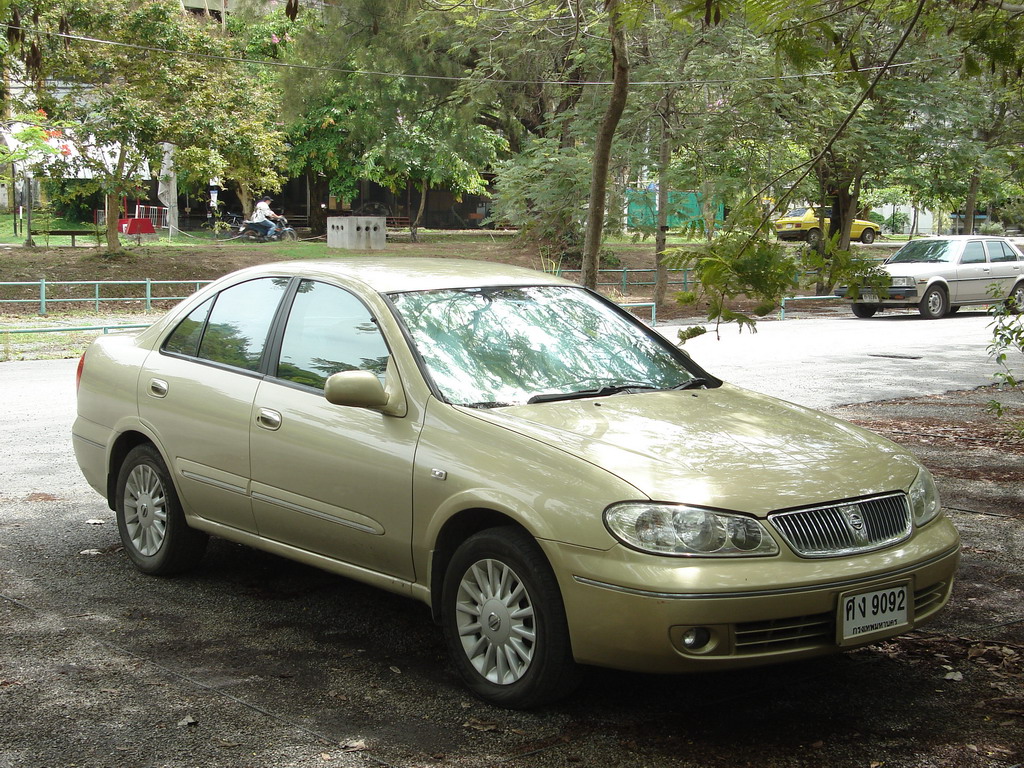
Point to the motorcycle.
(253, 233)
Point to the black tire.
(1015, 301)
(934, 304)
(813, 237)
(868, 236)
(289, 235)
(864, 310)
(519, 658)
(149, 516)
(249, 235)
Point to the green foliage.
(897, 221)
(733, 266)
(72, 199)
(1007, 350)
(543, 192)
(991, 228)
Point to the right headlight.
(679, 529)
(902, 282)
(924, 498)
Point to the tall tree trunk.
(972, 202)
(112, 206)
(317, 218)
(603, 145)
(419, 211)
(661, 235)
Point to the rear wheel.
(504, 621)
(150, 519)
(814, 237)
(868, 236)
(1015, 301)
(934, 304)
(864, 310)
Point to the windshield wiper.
(693, 383)
(608, 389)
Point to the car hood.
(723, 447)
(918, 269)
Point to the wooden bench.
(72, 233)
(395, 222)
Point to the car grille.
(819, 630)
(847, 527)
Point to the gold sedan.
(558, 483)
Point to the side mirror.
(356, 389)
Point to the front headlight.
(924, 498)
(677, 529)
(902, 282)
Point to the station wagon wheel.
(864, 310)
(504, 622)
(867, 236)
(150, 519)
(1015, 301)
(934, 304)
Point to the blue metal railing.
(44, 300)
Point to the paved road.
(826, 362)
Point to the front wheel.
(288, 235)
(867, 236)
(150, 519)
(813, 237)
(934, 304)
(864, 310)
(504, 621)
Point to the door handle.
(268, 419)
(158, 388)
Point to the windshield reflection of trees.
(502, 345)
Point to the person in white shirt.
(265, 217)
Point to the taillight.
(78, 373)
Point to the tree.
(151, 84)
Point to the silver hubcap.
(496, 622)
(935, 302)
(145, 510)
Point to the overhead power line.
(465, 78)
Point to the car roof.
(396, 274)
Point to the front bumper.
(630, 611)
(904, 296)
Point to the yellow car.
(804, 224)
(556, 481)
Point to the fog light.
(696, 638)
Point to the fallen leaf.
(396, 670)
(40, 497)
(94, 521)
(354, 746)
(91, 552)
(480, 725)
(188, 720)
(818, 744)
(957, 676)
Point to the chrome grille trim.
(846, 527)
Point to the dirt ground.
(950, 695)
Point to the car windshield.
(496, 346)
(925, 252)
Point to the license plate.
(866, 296)
(866, 614)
